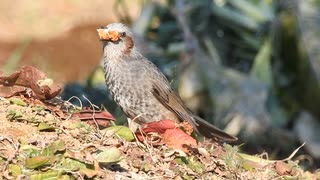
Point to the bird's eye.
(122, 34)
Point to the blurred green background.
(251, 67)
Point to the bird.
(140, 89)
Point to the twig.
(293, 153)
(75, 97)
(16, 148)
(93, 115)
(145, 141)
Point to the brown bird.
(140, 89)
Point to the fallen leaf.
(178, 139)
(108, 155)
(76, 166)
(45, 127)
(49, 175)
(17, 101)
(30, 150)
(36, 162)
(9, 91)
(78, 155)
(171, 135)
(284, 169)
(191, 163)
(92, 117)
(53, 148)
(15, 170)
(122, 131)
(32, 78)
(158, 126)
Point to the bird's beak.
(107, 35)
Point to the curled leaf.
(32, 78)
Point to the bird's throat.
(118, 50)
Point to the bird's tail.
(210, 131)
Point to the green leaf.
(38, 108)
(15, 170)
(191, 163)
(35, 162)
(75, 125)
(49, 175)
(73, 165)
(30, 150)
(195, 165)
(17, 101)
(14, 115)
(108, 155)
(181, 160)
(79, 124)
(53, 147)
(122, 131)
(45, 127)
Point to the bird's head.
(117, 40)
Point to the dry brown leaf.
(11, 91)
(284, 169)
(28, 77)
(102, 118)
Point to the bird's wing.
(161, 90)
(169, 99)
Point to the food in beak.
(107, 35)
